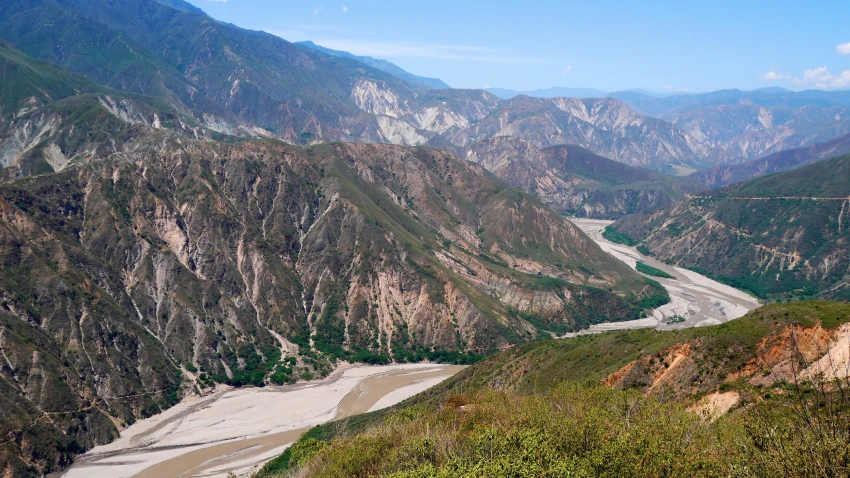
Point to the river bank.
(235, 430)
(695, 300)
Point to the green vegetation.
(609, 189)
(577, 430)
(653, 271)
(766, 235)
(537, 410)
(613, 235)
(568, 431)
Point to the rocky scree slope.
(779, 236)
(576, 182)
(175, 263)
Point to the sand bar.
(234, 430)
(693, 297)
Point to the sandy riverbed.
(235, 430)
(694, 297)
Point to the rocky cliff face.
(783, 235)
(789, 354)
(604, 126)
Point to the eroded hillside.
(216, 261)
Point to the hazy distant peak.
(379, 64)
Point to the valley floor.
(693, 297)
(235, 430)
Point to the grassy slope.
(23, 79)
(551, 370)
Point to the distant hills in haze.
(564, 91)
(382, 65)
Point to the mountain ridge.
(383, 65)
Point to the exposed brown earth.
(695, 368)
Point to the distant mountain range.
(783, 236)
(382, 65)
(751, 124)
(242, 83)
(576, 182)
(554, 92)
(563, 91)
(744, 124)
(720, 176)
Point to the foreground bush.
(570, 431)
(587, 432)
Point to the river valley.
(695, 300)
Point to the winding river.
(698, 300)
(236, 430)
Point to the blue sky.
(610, 45)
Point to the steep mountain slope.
(735, 391)
(49, 116)
(720, 176)
(26, 84)
(104, 55)
(216, 259)
(604, 126)
(232, 77)
(783, 235)
(383, 65)
(574, 181)
(750, 124)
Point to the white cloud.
(566, 71)
(772, 75)
(843, 49)
(345, 8)
(822, 79)
(380, 49)
(317, 10)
